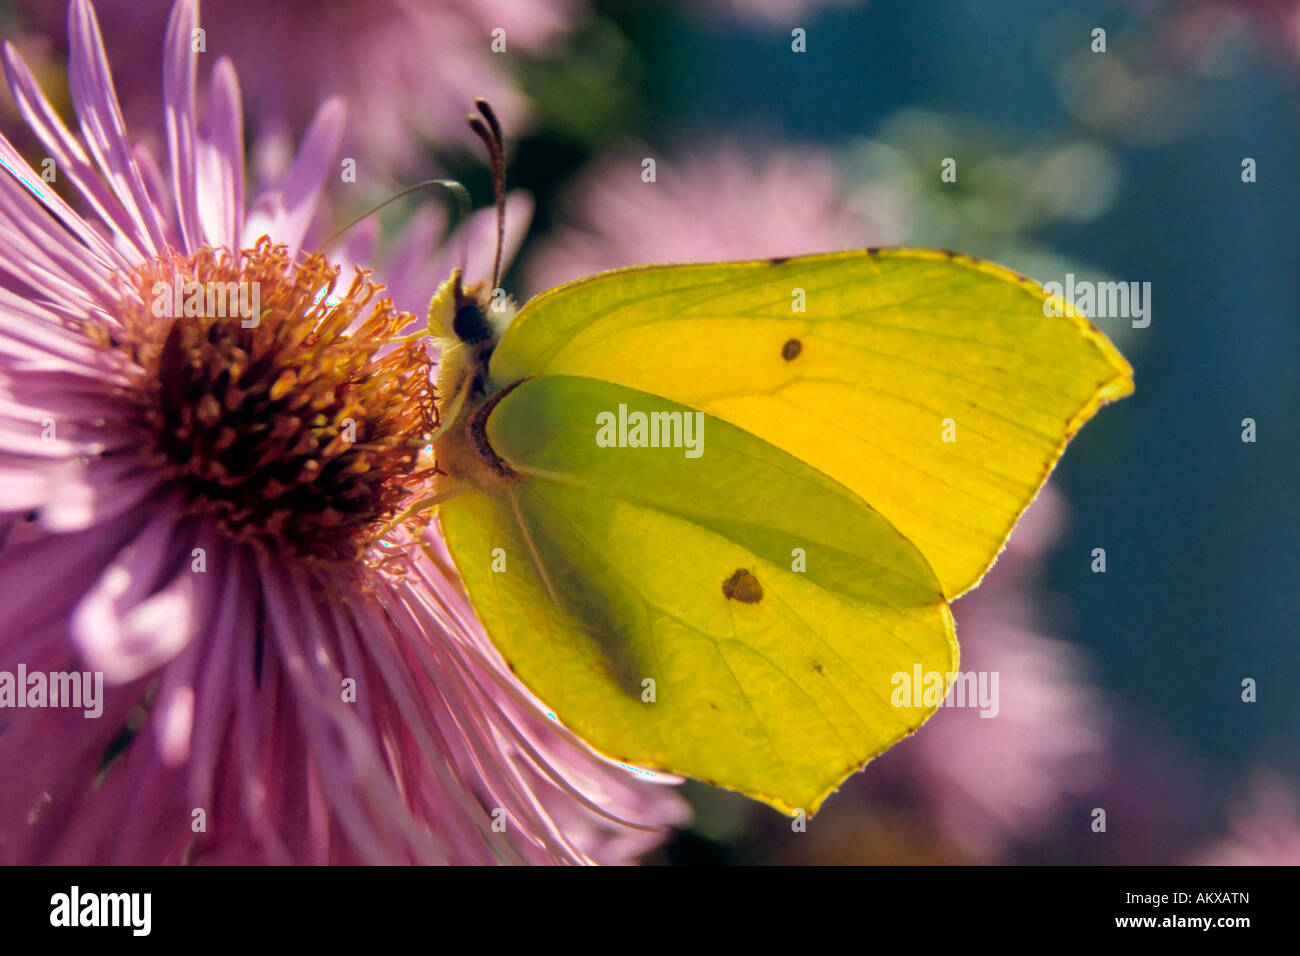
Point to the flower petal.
(70, 160)
(221, 201)
(125, 626)
(101, 123)
(287, 214)
(180, 63)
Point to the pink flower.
(182, 510)
(1196, 29)
(710, 205)
(990, 781)
(771, 12)
(1264, 829)
(409, 68)
(1276, 21)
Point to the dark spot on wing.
(713, 705)
(817, 666)
(790, 351)
(743, 587)
(778, 260)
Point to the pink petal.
(180, 63)
(101, 123)
(80, 496)
(290, 212)
(221, 201)
(123, 626)
(70, 160)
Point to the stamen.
(294, 428)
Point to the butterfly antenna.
(488, 128)
(455, 188)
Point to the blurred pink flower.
(714, 204)
(410, 69)
(1264, 829)
(993, 781)
(1276, 21)
(180, 511)
(772, 12)
(1191, 28)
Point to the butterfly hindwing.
(735, 616)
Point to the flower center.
(274, 401)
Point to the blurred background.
(781, 127)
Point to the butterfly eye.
(470, 325)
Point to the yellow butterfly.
(710, 530)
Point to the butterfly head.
(465, 324)
(467, 321)
(469, 318)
